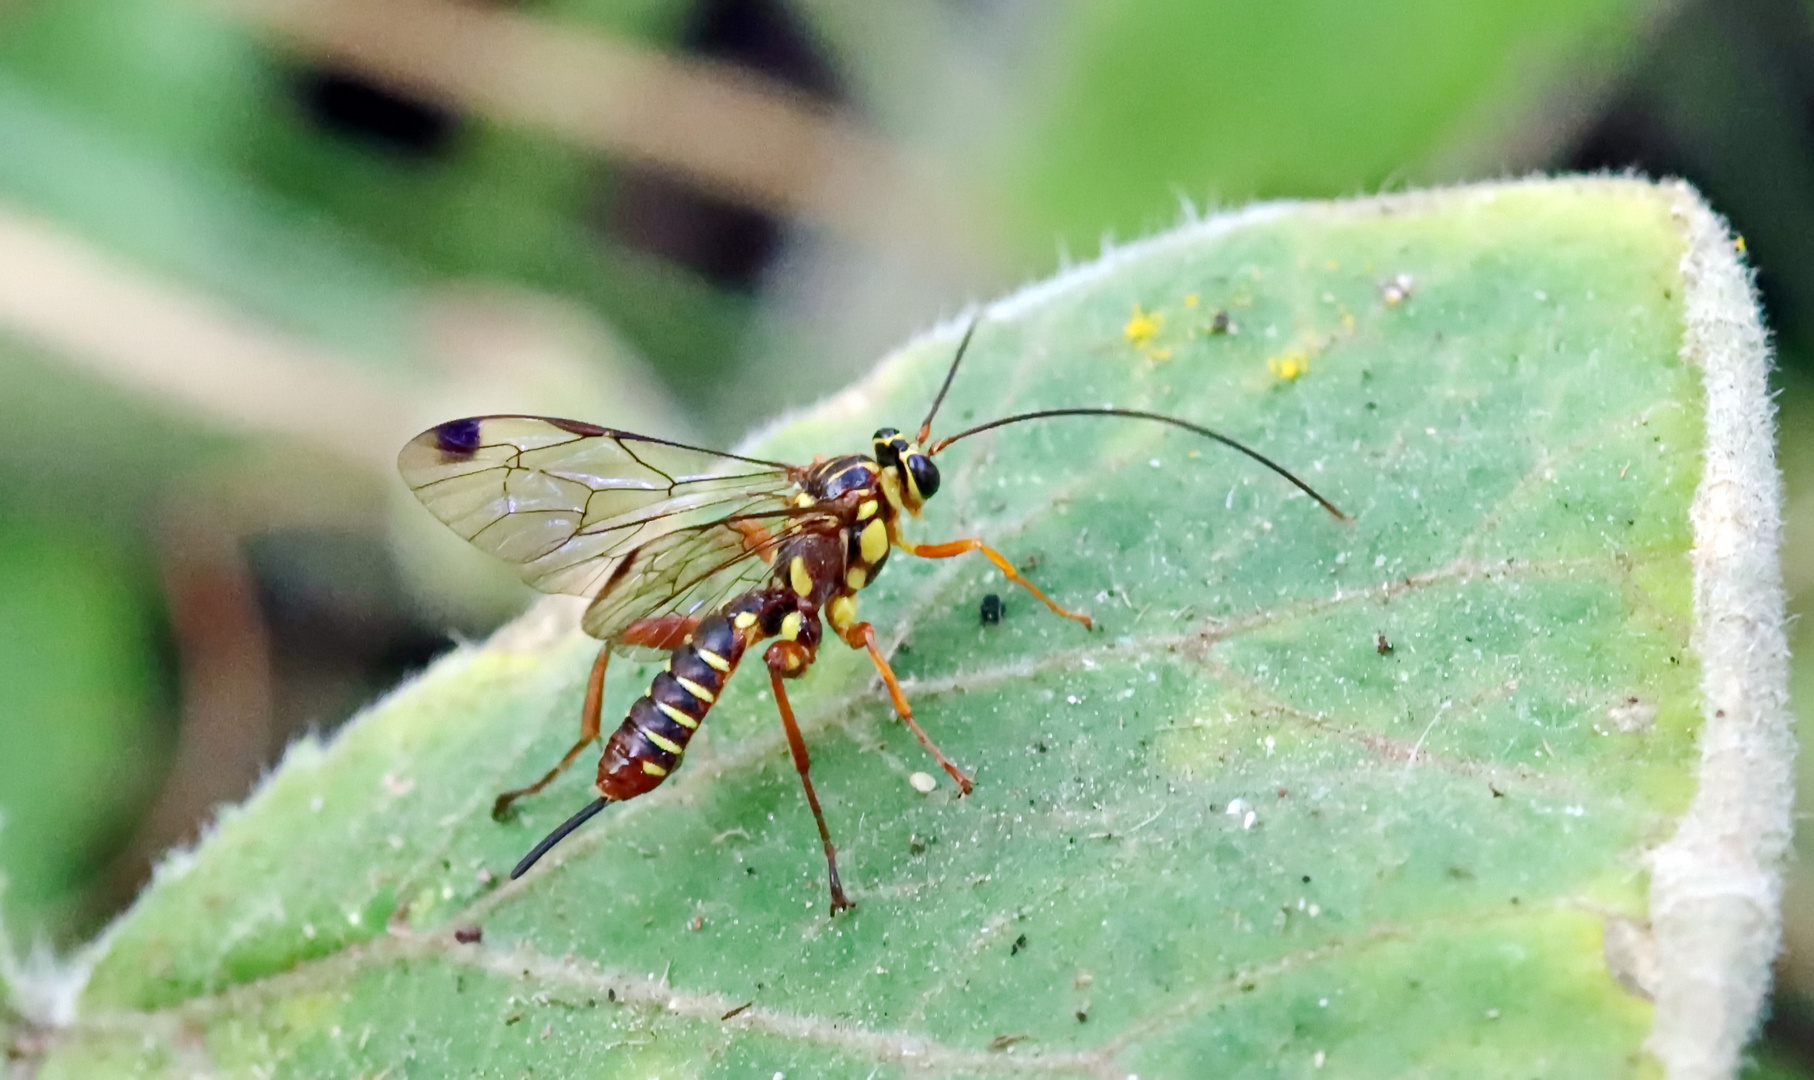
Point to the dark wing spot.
(458, 440)
(578, 427)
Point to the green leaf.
(1375, 796)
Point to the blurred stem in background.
(247, 248)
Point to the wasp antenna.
(559, 834)
(926, 425)
(1135, 414)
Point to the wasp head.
(916, 474)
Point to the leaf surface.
(1357, 796)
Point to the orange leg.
(786, 659)
(863, 636)
(588, 734)
(964, 547)
(756, 538)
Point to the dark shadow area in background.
(1725, 100)
(727, 244)
(346, 105)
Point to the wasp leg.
(756, 539)
(863, 636)
(786, 660)
(964, 547)
(588, 734)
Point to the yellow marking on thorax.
(653, 769)
(744, 620)
(841, 612)
(695, 689)
(873, 543)
(662, 741)
(867, 509)
(790, 626)
(713, 660)
(803, 500)
(856, 577)
(798, 577)
(678, 717)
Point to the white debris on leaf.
(923, 782)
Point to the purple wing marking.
(458, 440)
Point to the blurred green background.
(248, 247)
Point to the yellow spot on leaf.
(1332, 264)
(1192, 300)
(1289, 366)
(1143, 326)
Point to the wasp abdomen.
(650, 742)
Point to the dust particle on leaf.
(1396, 290)
(469, 935)
(1633, 716)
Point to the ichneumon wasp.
(702, 555)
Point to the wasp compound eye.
(925, 475)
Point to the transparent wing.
(641, 525)
(693, 571)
